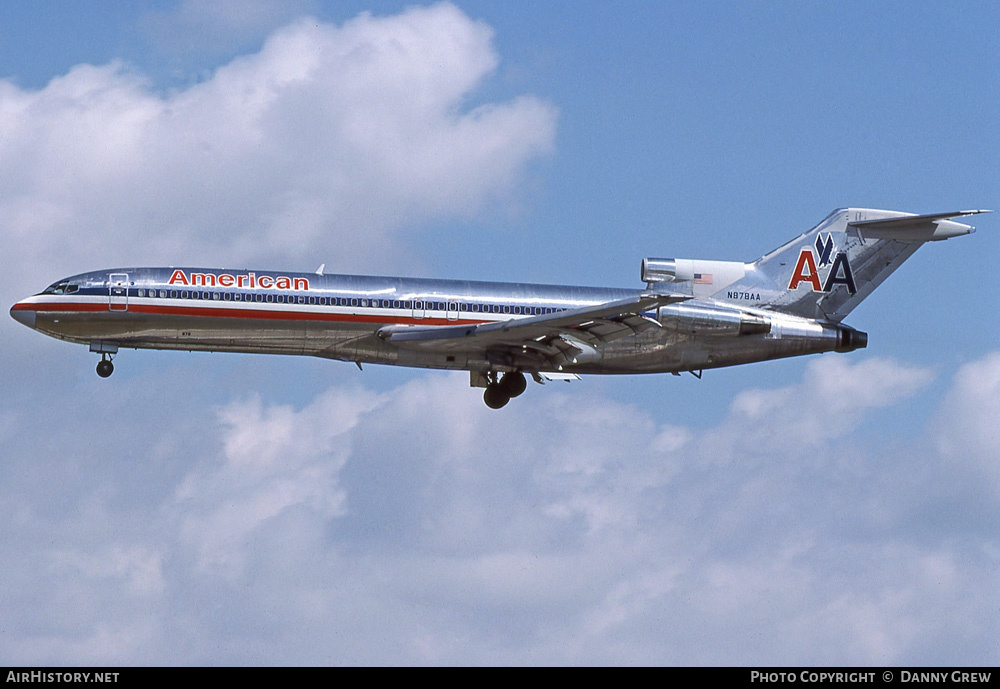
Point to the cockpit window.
(61, 288)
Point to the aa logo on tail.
(807, 270)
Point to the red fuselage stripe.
(244, 313)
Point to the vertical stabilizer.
(827, 271)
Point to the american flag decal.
(703, 278)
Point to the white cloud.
(832, 399)
(328, 145)
(969, 435)
(416, 525)
(273, 460)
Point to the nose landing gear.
(107, 350)
(104, 367)
(499, 392)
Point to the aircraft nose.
(23, 313)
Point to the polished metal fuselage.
(338, 316)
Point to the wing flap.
(551, 376)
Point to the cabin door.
(118, 292)
(418, 309)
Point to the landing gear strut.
(104, 367)
(499, 392)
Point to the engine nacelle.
(705, 320)
(659, 270)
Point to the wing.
(544, 342)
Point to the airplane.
(691, 316)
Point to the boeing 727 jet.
(690, 316)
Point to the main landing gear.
(104, 367)
(499, 392)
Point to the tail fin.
(827, 271)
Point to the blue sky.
(229, 509)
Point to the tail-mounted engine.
(691, 276)
(706, 320)
(659, 270)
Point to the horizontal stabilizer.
(916, 228)
(909, 220)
